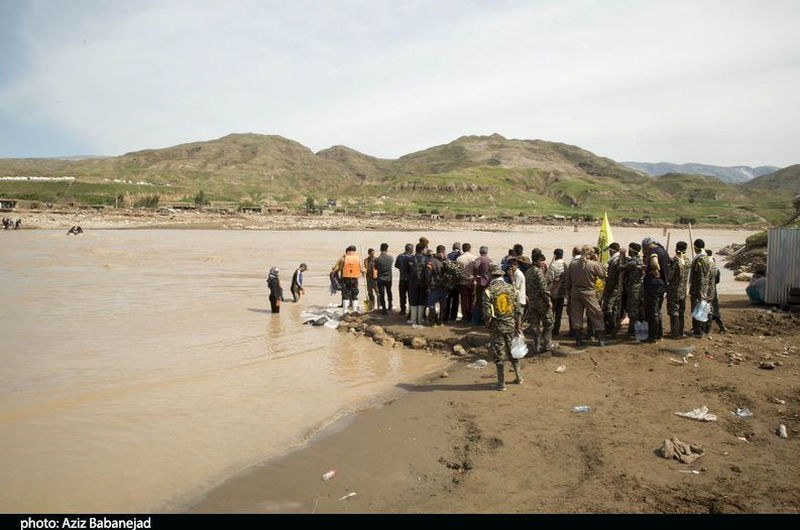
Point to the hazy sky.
(698, 81)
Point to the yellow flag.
(605, 239)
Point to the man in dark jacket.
(384, 265)
(656, 277)
(401, 264)
(434, 279)
(297, 282)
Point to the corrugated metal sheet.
(783, 264)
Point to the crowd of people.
(526, 293)
(9, 223)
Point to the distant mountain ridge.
(786, 179)
(732, 174)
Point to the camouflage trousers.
(676, 305)
(541, 324)
(500, 345)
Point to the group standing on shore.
(9, 223)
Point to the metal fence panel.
(783, 264)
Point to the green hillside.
(786, 179)
(473, 174)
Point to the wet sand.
(455, 445)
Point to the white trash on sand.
(351, 494)
(701, 414)
(328, 318)
(561, 369)
(480, 363)
(329, 474)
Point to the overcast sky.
(700, 81)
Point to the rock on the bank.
(459, 350)
(375, 331)
(418, 343)
(384, 340)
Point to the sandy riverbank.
(453, 444)
(140, 218)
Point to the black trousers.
(558, 309)
(403, 287)
(451, 309)
(275, 304)
(384, 292)
(653, 300)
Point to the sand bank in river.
(453, 444)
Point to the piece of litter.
(779, 401)
(692, 471)
(742, 438)
(697, 365)
(680, 451)
(742, 412)
(561, 368)
(782, 431)
(701, 414)
(329, 474)
(480, 363)
(582, 408)
(351, 494)
(676, 361)
(766, 365)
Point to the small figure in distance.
(275, 290)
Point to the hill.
(786, 179)
(472, 174)
(732, 174)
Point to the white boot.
(420, 315)
(412, 319)
(355, 306)
(345, 303)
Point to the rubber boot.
(518, 380)
(355, 306)
(412, 319)
(345, 305)
(601, 338)
(547, 342)
(674, 328)
(439, 318)
(501, 377)
(420, 315)
(578, 337)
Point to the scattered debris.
(681, 451)
(329, 474)
(561, 369)
(778, 401)
(596, 364)
(480, 363)
(351, 494)
(782, 431)
(743, 438)
(766, 365)
(692, 471)
(676, 361)
(444, 375)
(458, 350)
(701, 414)
(735, 358)
(582, 408)
(679, 350)
(742, 412)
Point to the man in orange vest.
(349, 269)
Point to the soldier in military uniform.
(612, 291)
(631, 269)
(581, 281)
(676, 290)
(701, 286)
(502, 314)
(540, 307)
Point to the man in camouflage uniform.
(502, 314)
(631, 270)
(701, 286)
(612, 291)
(540, 307)
(716, 316)
(676, 290)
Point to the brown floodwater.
(141, 368)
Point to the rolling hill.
(786, 179)
(481, 174)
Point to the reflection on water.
(141, 368)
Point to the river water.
(140, 368)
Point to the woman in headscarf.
(275, 290)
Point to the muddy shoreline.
(452, 444)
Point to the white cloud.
(679, 81)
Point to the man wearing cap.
(701, 284)
(581, 278)
(656, 276)
(502, 314)
(676, 290)
(612, 290)
(631, 269)
(297, 282)
(451, 304)
(540, 306)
